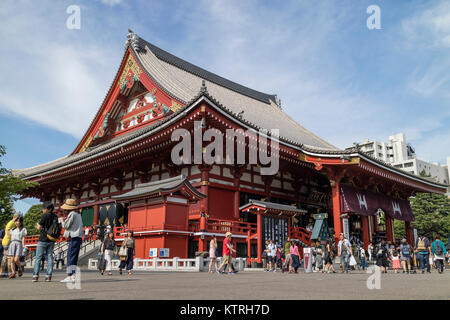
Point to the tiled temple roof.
(161, 186)
(182, 81)
(273, 206)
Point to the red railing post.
(249, 252)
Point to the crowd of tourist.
(13, 249)
(351, 255)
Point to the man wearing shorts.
(227, 249)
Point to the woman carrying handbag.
(108, 246)
(126, 253)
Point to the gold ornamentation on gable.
(132, 66)
(86, 144)
(175, 106)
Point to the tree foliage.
(32, 217)
(424, 174)
(10, 187)
(432, 216)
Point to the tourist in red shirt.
(227, 249)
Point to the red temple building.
(121, 171)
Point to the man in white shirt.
(344, 251)
(86, 234)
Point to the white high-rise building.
(401, 154)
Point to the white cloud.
(111, 2)
(429, 28)
(435, 147)
(430, 79)
(292, 51)
(57, 83)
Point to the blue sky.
(333, 75)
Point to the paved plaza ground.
(254, 285)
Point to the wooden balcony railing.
(301, 234)
(224, 226)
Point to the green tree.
(432, 216)
(10, 187)
(399, 229)
(424, 174)
(32, 217)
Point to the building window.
(380, 155)
(409, 164)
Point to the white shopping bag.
(352, 261)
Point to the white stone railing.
(175, 264)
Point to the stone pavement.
(254, 285)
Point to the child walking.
(395, 260)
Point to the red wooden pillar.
(365, 231)
(204, 187)
(335, 190)
(95, 220)
(259, 230)
(237, 198)
(409, 234)
(389, 235)
(237, 174)
(202, 241)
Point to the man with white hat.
(73, 225)
(227, 249)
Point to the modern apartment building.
(401, 154)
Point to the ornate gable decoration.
(131, 73)
(142, 108)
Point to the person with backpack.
(405, 256)
(344, 251)
(439, 252)
(423, 253)
(73, 225)
(46, 243)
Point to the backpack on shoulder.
(421, 244)
(438, 250)
(405, 251)
(54, 232)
